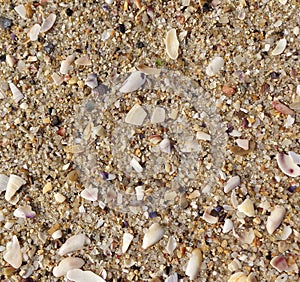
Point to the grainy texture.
(117, 36)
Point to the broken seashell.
(153, 235)
(194, 264)
(279, 48)
(127, 239)
(247, 208)
(155, 139)
(286, 232)
(238, 277)
(136, 115)
(34, 32)
(13, 254)
(172, 44)
(251, 278)
(136, 165)
(171, 245)
(56, 234)
(275, 219)
(21, 10)
(190, 145)
(135, 80)
(209, 218)
(78, 275)
(24, 212)
(244, 236)
(243, 143)
(165, 145)
(148, 70)
(172, 278)
(57, 79)
(48, 23)
(279, 263)
(91, 81)
(295, 157)
(65, 65)
(17, 94)
(287, 165)
(232, 183)
(214, 66)
(3, 182)
(200, 135)
(66, 265)
(234, 265)
(90, 194)
(13, 185)
(139, 191)
(59, 198)
(282, 108)
(83, 61)
(11, 60)
(158, 115)
(72, 244)
(228, 225)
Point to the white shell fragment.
(136, 165)
(72, 244)
(275, 219)
(214, 66)
(172, 278)
(21, 10)
(13, 185)
(83, 61)
(193, 266)
(200, 135)
(66, 265)
(17, 94)
(57, 79)
(90, 194)
(34, 32)
(127, 239)
(279, 48)
(279, 263)
(209, 218)
(287, 165)
(287, 231)
(171, 245)
(91, 80)
(172, 44)
(48, 23)
(13, 254)
(65, 65)
(158, 115)
(243, 143)
(238, 277)
(140, 192)
(153, 235)
(56, 234)
(3, 182)
(24, 212)
(228, 225)
(165, 145)
(136, 115)
(11, 60)
(295, 157)
(247, 208)
(135, 80)
(232, 183)
(78, 275)
(148, 70)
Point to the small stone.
(172, 44)
(228, 225)
(13, 254)
(135, 80)
(136, 115)
(48, 23)
(214, 66)
(5, 23)
(91, 81)
(69, 12)
(200, 135)
(243, 143)
(122, 28)
(158, 115)
(13, 185)
(83, 61)
(165, 145)
(280, 47)
(228, 90)
(66, 265)
(153, 235)
(21, 10)
(49, 48)
(171, 245)
(55, 120)
(90, 194)
(72, 244)
(34, 32)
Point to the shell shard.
(90, 194)
(194, 264)
(78, 275)
(72, 244)
(34, 32)
(172, 44)
(24, 212)
(135, 80)
(3, 182)
(48, 23)
(136, 165)
(158, 115)
(13, 185)
(238, 277)
(232, 183)
(83, 61)
(171, 245)
(279, 48)
(247, 208)
(287, 165)
(295, 157)
(136, 115)
(165, 145)
(153, 235)
(228, 225)
(13, 254)
(17, 94)
(214, 66)
(279, 263)
(66, 265)
(127, 239)
(275, 219)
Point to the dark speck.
(5, 23)
(122, 28)
(140, 44)
(69, 12)
(2, 58)
(274, 75)
(292, 188)
(152, 214)
(49, 48)
(206, 7)
(55, 121)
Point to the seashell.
(136, 115)
(3, 182)
(165, 145)
(286, 232)
(13, 185)
(59, 198)
(153, 235)
(209, 218)
(279, 263)
(72, 244)
(238, 277)
(56, 234)
(275, 219)
(136, 165)
(148, 70)
(200, 135)
(17, 94)
(83, 61)
(65, 65)
(91, 81)
(155, 139)
(13, 254)
(172, 44)
(171, 245)
(48, 23)
(34, 32)
(109, 2)
(158, 115)
(127, 239)
(228, 225)
(24, 212)
(280, 107)
(287, 165)
(11, 60)
(90, 194)
(214, 66)
(247, 208)
(57, 79)
(234, 265)
(294, 156)
(232, 183)
(245, 237)
(66, 265)
(78, 275)
(243, 143)
(139, 191)
(194, 264)
(279, 48)
(172, 278)
(21, 10)
(135, 80)
(251, 277)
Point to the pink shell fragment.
(287, 165)
(278, 106)
(279, 263)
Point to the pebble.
(127, 239)
(83, 61)
(238, 277)
(136, 115)
(172, 278)
(56, 234)
(5, 23)
(13, 185)
(200, 135)
(66, 65)
(66, 265)
(243, 143)
(135, 80)
(279, 263)
(275, 219)
(165, 145)
(72, 244)
(153, 235)
(11, 60)
(13, 254)
(280, 107)
(172, 44)
(232, 183)
(78, 275)
(194, 264)
(214, 66)
(247, 208)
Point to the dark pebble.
(152, 214)
(5, 23)
(274, 75)
(2, 58)
(49, 48)
(206, 7)
(122, 28)
(69, 12)
(292, 188)
(104, 175)
(140, 44)
(55, 121)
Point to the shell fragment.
(214, 66)
(13, 254)
(232, 183)
(133, 82)
(72, 244)
(172, 44)
(48, 23)
(287, 165)
(153, 235)
(194, 264)
(279, 48)
(17, 94)
(275, 219)
(78, 275)
(247, 208)
(127, 239)
(66, 265)
(136, 115)
(13, 185)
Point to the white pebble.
(171, 245)
(66, 265)
(59, 198)
(24, 212)
(56, 234)
(21, 10)
(153, 235)
(72, 244)
(91, 80)
(193, 266)
(13, 254)
(243, 143)
(200, 135)
(48, 23)
(165, 145)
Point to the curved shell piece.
(34, 32)
(214, 66)
(3, 182)
(295, 157)
(13, 254)
(172, 44)
(232, 183)
(17, 94)
(287, 165)
(48, 23)
(133, 82)
(90, 194)
(194, 264)
(13, 185)
(66, 265)
(275, 219)
(279, 48)
(247, 208)
(127, 239)
(238, 277)
(153, 235)
(78, 275)
(72, 244)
